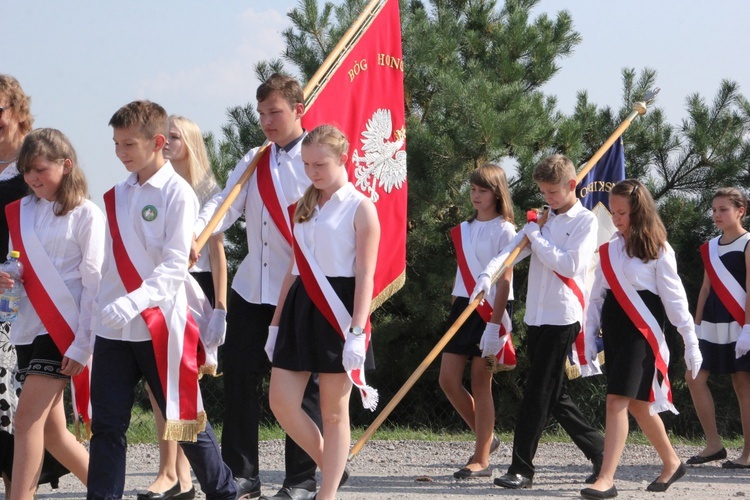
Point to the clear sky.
(81, 60)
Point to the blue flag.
(609, 170)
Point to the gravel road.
(421, 470)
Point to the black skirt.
(466, 340)
(307, 341)
(629, 360)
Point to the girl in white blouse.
(336, 236)
(635, 283)
(69, 228)
(477, 241)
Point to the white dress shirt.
(74, 243)
(566, 245)
(658, 276)
(167, 240)
(487, 239)
(330, 234)
(258, 278)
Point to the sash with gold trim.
(330, 305)
(50, 297)
(468, 267)
(660, 395)
(728, 290)
(174, 332)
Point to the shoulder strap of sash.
(729, 291)
(464, 267)
(271, 196)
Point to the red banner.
(365, 98)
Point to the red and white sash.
(329, 304)
(633, 305)
(269, 186)
(174, 332)
(469, 267)
(729, 291)
(577, 364)
(49, 296)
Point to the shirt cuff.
(77, 354)
(140, 299)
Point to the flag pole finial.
(641, 107)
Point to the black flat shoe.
(734, 465)
(698, 459)
(661, 487)
(165, 495)
(513, 481)
(467, 473)
(186, 495)
(592, 493)
(292, 494)
(596, 469)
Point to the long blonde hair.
(335, 140)
(199, 173)
(54, 146)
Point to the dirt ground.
(422, 470)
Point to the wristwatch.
(356, 331)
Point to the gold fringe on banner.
(210, 370)
(185, 430)
(388, 291)
(495, 367)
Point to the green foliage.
(474, 73)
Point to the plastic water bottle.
(9, 299)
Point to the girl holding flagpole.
(723, 324)
(60, 236)
(324, 324)
(486, 333)
(635, 284)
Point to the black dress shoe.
(592, 493)
(661, 487)
(467, 473)
(513, 481)
(248, 487)
(293, 494)
(698, 459)
(187, 495)
(597, 468)
(165, 495)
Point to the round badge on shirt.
(149, 213)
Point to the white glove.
(530, 229)
(273, 332)
(217, 329)
(490, 342)
(119, 313)
(743, 342)
(590, 348)
(354, 351)
(693, 356)
(483, 285)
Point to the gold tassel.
(495, 367)
(572, 371)
(185, 430)
(82, 436)
(211, 370)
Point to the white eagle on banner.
(384, 161)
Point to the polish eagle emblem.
(382, 162)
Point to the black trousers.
(117, 368)
(245, 365)
(545, 395)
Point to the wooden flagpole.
(639, 108)
(311, 90)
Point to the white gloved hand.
(743, 342)
(483, 285)
(490, 342)
(530, 229)
(273, 332)
(354, 351)
(119, 313)
(217, 329)
(693, 356)
(590, 348)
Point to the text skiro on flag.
(593, 191)
(364, 97)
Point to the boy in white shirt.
(143, 321)
(561, 248)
